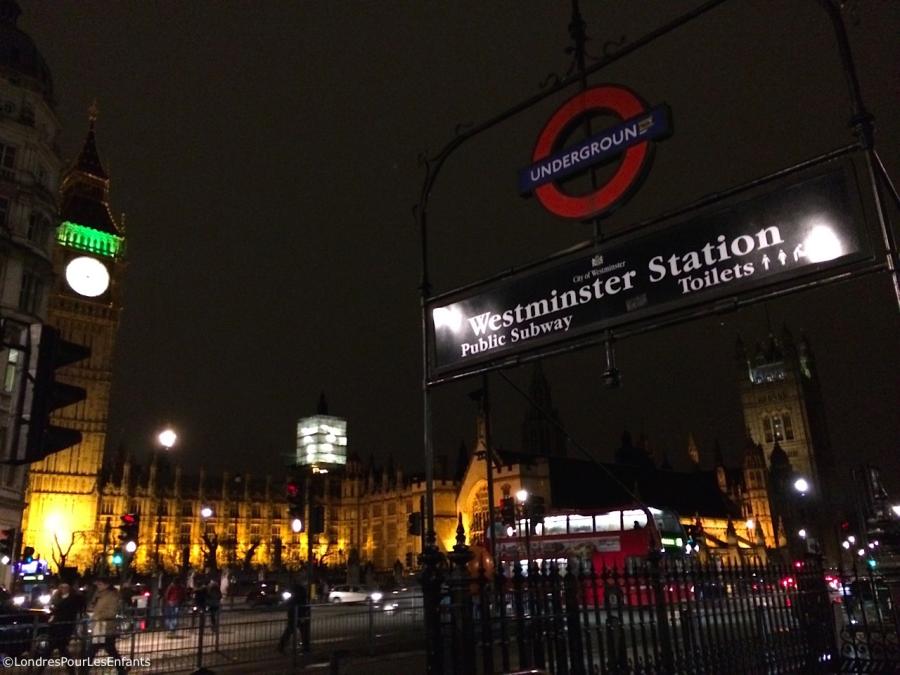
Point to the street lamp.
(802, 533)
(296, 525)
(167, 438)
(896, 509)
(206, 512)
(522, 498)
(801, 485)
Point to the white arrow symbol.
(799, 252)
(782, 257)
(765, 261)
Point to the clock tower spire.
(85, 306)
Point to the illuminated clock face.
(87, 276)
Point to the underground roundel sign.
(628, 142)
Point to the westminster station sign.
(803, 227)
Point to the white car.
(341, 594)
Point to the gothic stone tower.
(781, 402)
(85, 306)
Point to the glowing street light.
(750, 523)
(896, 509)
(206, 512)
(861, 552)
(296, 525)
(131, 547)
(801, 485)
(851, 539)
(802, 533)
(522, 496)
(167, 438)
(846, 545)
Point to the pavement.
(407, 663)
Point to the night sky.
(266, 157)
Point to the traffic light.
(317, 520)
(508, 511)
(117, 558)
(296, 502)
(7, 544)
(414, 523)
(43, 394)
(276, 555)
(128, 530)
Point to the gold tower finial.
(93, 111)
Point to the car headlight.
(19, 600)
(375, 597)
(44, 599)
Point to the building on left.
(30, 169)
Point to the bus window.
(581, 524)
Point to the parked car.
(340, 594)
(265, 595)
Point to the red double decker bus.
(619, 540)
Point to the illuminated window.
(254, 533)
(777, 427)
(480, 520)
(788, 426)
(9, 376)
(767, 428)
(185, 533)
(275, 531)
(254, 511)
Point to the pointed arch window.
(480, 518)
(767, 428)
(777, 427)
(788, 426)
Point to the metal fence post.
(370, 633)
(462, 616)
(573, 621)
(295, 622)
(662, 618)
(200, 642)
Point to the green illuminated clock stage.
(88, 275)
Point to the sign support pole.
(862, 122)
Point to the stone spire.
(693, 451)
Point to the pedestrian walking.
(297, 611)
(213, 603)
(172, 600)
(66, 608)
(104, 609)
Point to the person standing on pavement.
(297, 611)
(104, 608)
(213, 603)
(172, 600)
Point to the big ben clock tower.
(85, 306)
